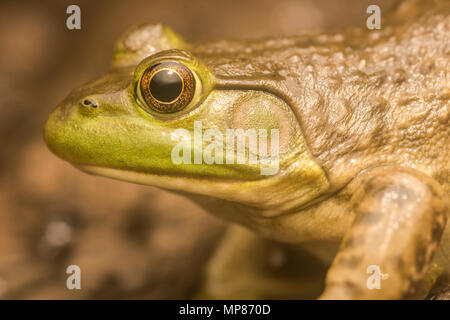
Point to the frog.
(362, 175)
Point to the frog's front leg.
(246, 266)
(400, 217)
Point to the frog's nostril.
(89, 102)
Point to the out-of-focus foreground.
(130, 241)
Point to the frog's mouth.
(272, 196)
(165, 181)
(161, 180)
(238, 191)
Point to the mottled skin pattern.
(364, 128)
(399, 220)
(362, 98)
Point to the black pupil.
(166, 85)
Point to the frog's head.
(163, 116)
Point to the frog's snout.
(53, 130)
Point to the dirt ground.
(130, 241)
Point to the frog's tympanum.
(363, 174)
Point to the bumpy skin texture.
(362, 98)
(364, 140)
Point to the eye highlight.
(167, 87)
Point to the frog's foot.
(387, 253)
(246, 266)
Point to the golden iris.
(167, 87)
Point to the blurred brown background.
(130, 241)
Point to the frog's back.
(363, 98)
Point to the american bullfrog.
(353, 128)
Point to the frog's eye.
(167, 87)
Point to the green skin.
(363, 119)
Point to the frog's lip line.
(186, 184)
(191, 185)
(158, 180)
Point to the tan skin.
(364, 173)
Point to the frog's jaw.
(285, 192)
